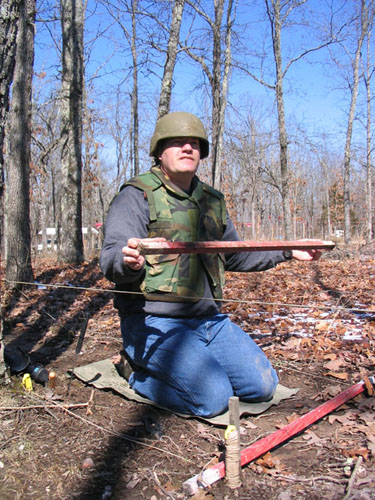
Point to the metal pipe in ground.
(232, 445)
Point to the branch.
(254, 77)
(307, 51)
(202, 62)
(291, 8)
(201, 13)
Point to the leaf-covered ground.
(316, 321)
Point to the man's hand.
(306, 255)
(132, 257)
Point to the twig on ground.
(352, 478)
(48, 314)
(329, 479)
(120, 435)
(33, 407)
(163, 490)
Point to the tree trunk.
(134, 99)
(369, 231)
(174, 38)
(327, 199)
(283, 138)
(349, 131)
(219, 85)
(218, 76)
(9, 15)
(17, 219)
(70, 237)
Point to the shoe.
(125, 366)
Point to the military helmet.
(179, 124)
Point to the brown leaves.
(354, 422)
(202, 494)
(268, 464)
(312, 439)
(343, 339)
(341, 376)
(335, 364)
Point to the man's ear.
(159, 150)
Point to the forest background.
(285, 90)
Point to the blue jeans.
(194, 365)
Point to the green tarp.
(103, 375)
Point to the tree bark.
(221, 70)
(275, 20)
(170, 61)
(134, 100)
(369, 176)
(70, 237)
(9, 16)
(218, 77)
(363, 28)
(17, 158)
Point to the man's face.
(180, 159)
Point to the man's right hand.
(132, 257)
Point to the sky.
(312, 98)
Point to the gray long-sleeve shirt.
(128, 217)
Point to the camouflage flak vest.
(178, 216)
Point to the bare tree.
(45, 168)
(276, 18)
(9, 15)
(217, 72)
(369, 72)
(134, 96)
(170, 60)
(120, 11)
(362, 23)
(70, 237)
(17, 222)
(279, 16)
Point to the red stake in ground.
(259, 448)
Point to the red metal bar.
(259, 448)
(179, 247)
(267, 443)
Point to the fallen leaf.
(267, 461)
(202, 494)
(132, 484)
(291, 418)
(168, 486)
(341, 376)
(337, 418)
(334, 364)
(285, 495)
(367, 417)
(356, 452)
(248, 424)
(203, 431)
(330, 391)
(323, 325)
(331, 356)
(312, 439)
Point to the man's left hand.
(306, 255)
